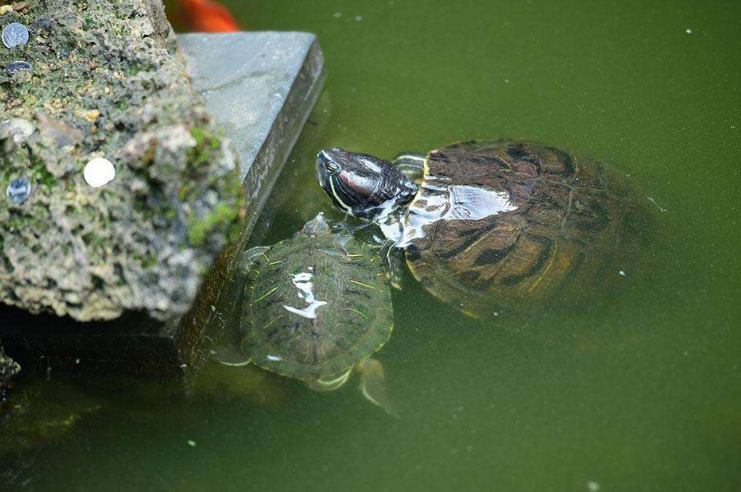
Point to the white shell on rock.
(20, 129)
(99, 172)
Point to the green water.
(641, 392)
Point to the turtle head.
(361, 184)
(316, 226)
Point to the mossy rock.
(106, 84)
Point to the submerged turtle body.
(494, 224)
(317, 306)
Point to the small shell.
(99, 172)
(19, 128)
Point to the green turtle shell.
(315, 306)
(512, 222)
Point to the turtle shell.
(511, 222)
(315, 306)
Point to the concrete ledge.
(261, 88)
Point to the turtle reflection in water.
(316, 308)
(487, 225)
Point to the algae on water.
(105, 83)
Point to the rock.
(105, 85)
(257, 64)
(8, 369)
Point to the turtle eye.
(332, 167)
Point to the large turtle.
(316, 307)
(487, 225)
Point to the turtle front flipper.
(412, 164)
(373, 385)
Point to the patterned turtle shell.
(512, 222)
(316, 305)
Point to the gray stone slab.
(248, 92)
(261, 87)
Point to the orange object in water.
(208, 16)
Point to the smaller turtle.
(316, 308)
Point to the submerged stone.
(43, 412)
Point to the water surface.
(638, 391)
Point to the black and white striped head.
(360, 184)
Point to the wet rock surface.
(8, 369)
(106, 84)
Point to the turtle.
(316, 308)
(487, 225)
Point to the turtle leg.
(249, 257)
(226, 350)
(392, 259)
(373, 385)
(412, 164)
(230, 356)
(245, 262)
(330, 384)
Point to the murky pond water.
(640, 390)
